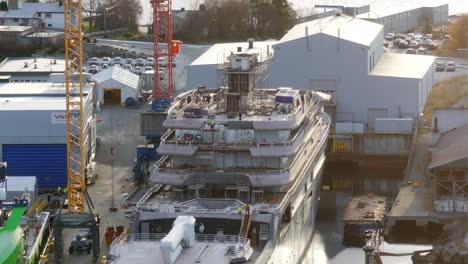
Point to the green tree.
(3, 6)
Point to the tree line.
(234, 20)
(111, 14)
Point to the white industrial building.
(33, 131)
(345, 57)
(115, 83)
(31, 69)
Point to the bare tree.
(90, 7)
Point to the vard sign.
(58, 117)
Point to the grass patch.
(445, 94)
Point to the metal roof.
(403, 65)
(452, 146)
(381, 9)
(349, 28)
(17, 64)
(218, 53)
(14, 28)
(32, 103)
(36, 89)
(117, 74)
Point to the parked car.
(162, 62)
(422, 51)
(399, 36)
(413, 45)
(428, 36)
(148, 68)
(402, 44)
(129, 61)
(448, 37)
(106, 60)
(93, 69)
(161, 75)
(94, 61)
(450, 66)
(117, 60)
(139, 62)
(411, 51)
(390, 36)
(138, 70)
(105, 67)
(440, 66)
(128, 67)
(432, 46)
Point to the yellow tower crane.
(74, 102)
(78, 198)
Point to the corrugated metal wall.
(48, 162)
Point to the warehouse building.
(31, 69)
(33, 134)
(115, 85)
(345, 57)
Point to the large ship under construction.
(240, 175)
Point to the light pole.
(112, 209)
(105, 15)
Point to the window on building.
(48, 14)
(39, 14)
(49, 25)
(16, 20)
(305, 188)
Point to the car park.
(105, 67)
(93, 69)
(432, 46)
(428, 36)
(129, 61)
(162, 62)
(148, 68)
(450, 66)
(94, 61)
(106, 60)
(399, 36)
(440, 66)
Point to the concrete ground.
(118, 128)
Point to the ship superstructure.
(245, 163)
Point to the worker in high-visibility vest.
(59, 191)
(212, 123)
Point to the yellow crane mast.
(74, 106)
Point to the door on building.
(48, 162)
(112, 96)
(373, 113)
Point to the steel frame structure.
(162, 43)
(76, 185)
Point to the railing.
(242, 243)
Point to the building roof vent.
(25, 64)
(35, 59)
(35, 66)
(338, 12)
(55, 61)
(239, 49)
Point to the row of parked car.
(137, 66)
(442, 66)
(419, 43)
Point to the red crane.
(164, 48)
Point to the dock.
(414, 204)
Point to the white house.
(38, 15)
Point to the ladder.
(245, 225)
